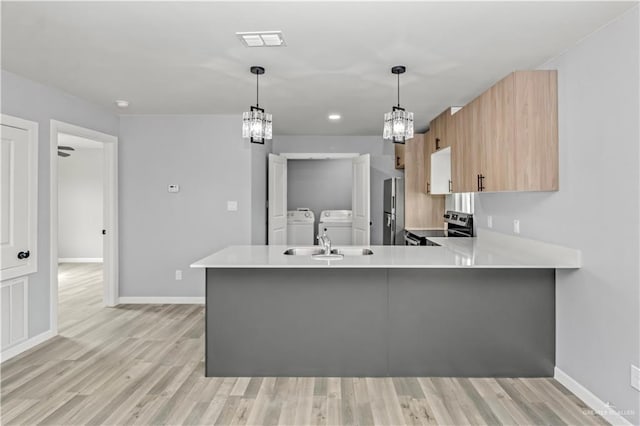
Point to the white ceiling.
(184, 58)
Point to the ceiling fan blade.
(66, 148)
(63, 154)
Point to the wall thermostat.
(173, 188)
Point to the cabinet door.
(536, 130)
(467, 157)
(429, 147)
(442, 132)
(399, 155)
(498, 148)
(421, 209)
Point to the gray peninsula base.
(380, 322)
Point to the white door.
(277, 200)
(15, 191)
(361, 201)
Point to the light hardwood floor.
(143, 364)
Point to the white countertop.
(490, 250)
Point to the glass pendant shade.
(257, 125)
(398, 125)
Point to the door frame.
(32, 130)
(110, 219)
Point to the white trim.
(161, 300)
(318, 155)
(16, 350)
(80, 260)
(32, 130)
(595, 403)
(110, 252)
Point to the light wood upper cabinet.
(507, 138)
(443, 129)
(467, 158)
(399, 155)
(421, 209)
(429, 148)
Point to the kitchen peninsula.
(469, 307)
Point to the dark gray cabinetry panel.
(469, 322)
(380, 322)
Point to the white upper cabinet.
(441, 171)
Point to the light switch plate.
(178, 274)
(232, 206)
(489, 221)
(173, 188)
(635, 377)
(516, 226)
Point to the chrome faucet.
(325, 242)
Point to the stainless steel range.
(458, 225)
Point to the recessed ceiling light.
(334, 117)
(261, 38)
(122, 103)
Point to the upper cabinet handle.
(481, 183)
(24, 255)
(437, 144)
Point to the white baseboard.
(596, 404)
(80, 260)
(16, 350)
(161, 300)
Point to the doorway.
(83, 217)
(278, 193)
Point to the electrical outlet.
(232, 206)
(516, 226)
(635, 377)
(173, 188)
(178, 274)
(489, 221)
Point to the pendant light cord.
(257, 90)
(398, 90)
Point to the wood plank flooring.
(143, 365)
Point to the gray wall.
(382, 163)
(80, 204)
(319, 185)
(29, 100)
(259, 166)
(161, 232)
(598, 323)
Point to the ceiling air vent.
(261, 38)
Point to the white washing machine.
(300, 225)
(338, 225)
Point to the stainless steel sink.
(304, 251)
(352, 251)
(332, 256)
(316, 252)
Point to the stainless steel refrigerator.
(393, 220)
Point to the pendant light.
(257, 124)
(398, 124)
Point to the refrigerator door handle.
(389, 220)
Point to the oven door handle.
(409, 241)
